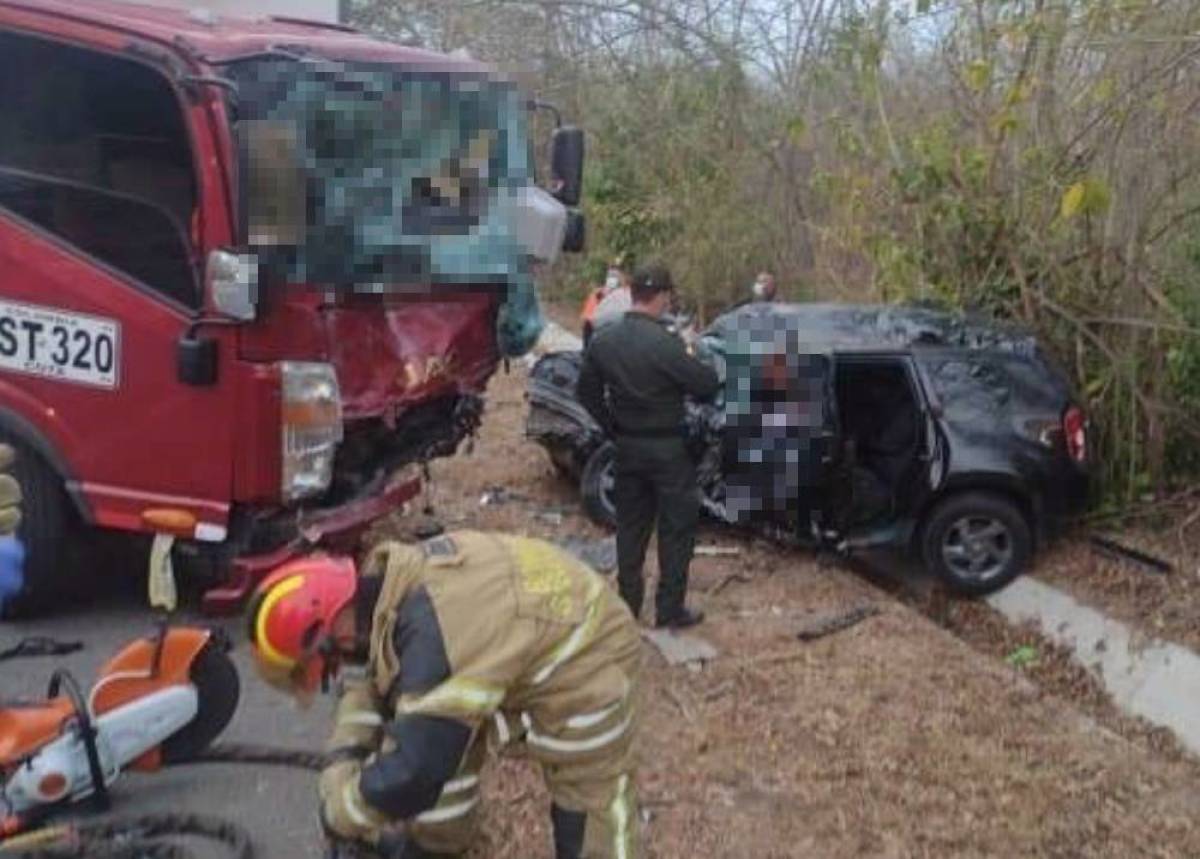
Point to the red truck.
(158, 373)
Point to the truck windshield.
(375, 177)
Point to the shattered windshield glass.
(378, 178)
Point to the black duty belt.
(660, 432)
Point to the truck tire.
(48, 522)
(596, 486)
(976, 542)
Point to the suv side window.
(93, 149)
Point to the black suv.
(862, 427)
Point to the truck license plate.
(56, 344)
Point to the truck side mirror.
(575, 237)
(196, 359)
(566, 164)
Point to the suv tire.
(596, 486)
(976, 542)
(46, 525)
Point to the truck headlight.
(312, 427)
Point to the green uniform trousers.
(655, 481)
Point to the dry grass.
(1161, 606)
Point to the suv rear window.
(93, 149)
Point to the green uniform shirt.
(646, 372)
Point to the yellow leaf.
(1096, 196)
(795, 130)
(1072, 199)
(978, 74)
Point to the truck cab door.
(781, 442)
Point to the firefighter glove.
(344, 812)
(357, 721)
(10, 493)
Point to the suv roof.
(215, 37)
(833, 327)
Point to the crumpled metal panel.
(391, 357)
(828, 327)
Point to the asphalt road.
(277, 805)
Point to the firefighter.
(470, 641)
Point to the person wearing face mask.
(633, 381)
(763, 289)
(615, 281)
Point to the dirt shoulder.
(892, 738)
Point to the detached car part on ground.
(860, 428)
(248, 270)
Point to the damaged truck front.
(249, 272)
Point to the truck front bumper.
(336, 529)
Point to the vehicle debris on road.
(717, 551)
(600, 555)
(828, 624)
(1115, 551)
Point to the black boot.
(568, 832)
(682, 619)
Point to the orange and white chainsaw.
(160, 700)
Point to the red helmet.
(291, 619)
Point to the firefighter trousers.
(594, 811)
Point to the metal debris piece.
(828, 624)
(717, 551)
(741, 578)
(499, 495)
(1109, 549)
(680, 648)
(600, 555)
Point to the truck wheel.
(48, 524)
(976, 542)
(217, 689)
(596, 486)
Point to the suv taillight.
(1075, 431)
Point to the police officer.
(470, 640)
(634, 378)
